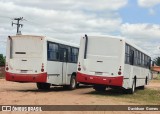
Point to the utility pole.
(18, 24)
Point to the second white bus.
(42, 60)
(108, 61)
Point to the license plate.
(98, 73)
(23, 71)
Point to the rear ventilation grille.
(20, 52)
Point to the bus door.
(63, 59)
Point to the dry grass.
(155, 81)
(146, 96)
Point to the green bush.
(2, 60)
(157, 61)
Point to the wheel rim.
(133, 87)
(73, 83)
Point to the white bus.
(108, 61)
(45, 61)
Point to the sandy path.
(12, 93)
(27, 94)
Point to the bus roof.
(62, 42)
(48, 39)
(125, 40)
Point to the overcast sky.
(137, 20)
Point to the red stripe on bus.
(91, 79)
(42, 77)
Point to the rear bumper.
(90, 79)
(42, 77)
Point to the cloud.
(144, 35)
(43, 16)
(66, 20)
(63, 19)
(73, 4)
(141, 31)
(152, 11)
(148, 3)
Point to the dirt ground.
(13, 93)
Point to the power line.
(29, 22)
(6, 17)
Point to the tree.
(157, 61)
(2, 60)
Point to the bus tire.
(146, 81)
(73, 83)
(132, 90)
(43, 86)
(141, 87)
(99, 87)
(65, 87)
(77, 86)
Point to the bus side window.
(131, 57)
(52, 51)
(69, 53)
(74, 55)
(57, 55)
(127, 54)
(136, 57)
(145, 61)
(63, 53)
(149, 61)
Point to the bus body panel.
(131, 71)
(70, 68)
(41, 77)
(102, 80)
(101, 66)
(27, 55)
(105, 58)
(54, 71)
(101, 60)
(24, 57)
(59, 73)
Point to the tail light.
(42, 69)
(79, 67)
(119, 72)
(7, 67)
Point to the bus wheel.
(43, 86)
(73, 82)
(77, 86)
(99, 87)
(146, 81)
(132, 90)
